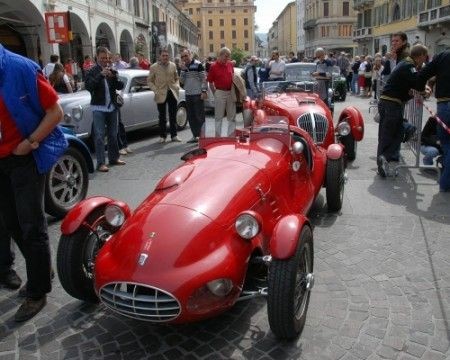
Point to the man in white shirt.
(277, 66)
(48, 69)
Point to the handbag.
(119, 100)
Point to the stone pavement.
(382, 288)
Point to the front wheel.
(335, 182)
(349, 147)
(66, 183)
(290, 282)
(76, 257)
(181, 116)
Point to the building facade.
(285, 28)
(426, 22)
(124, 26)
(300, 31)
(329, 24)
(229, 23)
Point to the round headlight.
(77, 113)
(247, 226)
(220, 287)
(114, 215)
(343, 128)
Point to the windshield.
(275, 88)
(300, 72)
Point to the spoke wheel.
(290, 282)
(66, 184)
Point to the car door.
(144, 111)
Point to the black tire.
(75, 258)
(67, 183)
(343, 95)
(335, 184)
(288, 298)
(349, 147)
(181, 116)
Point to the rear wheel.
(335, 182)
(290, 282)
(76, 257)
(349, 147)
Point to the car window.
(139, 84)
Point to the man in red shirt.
(143, 62)
(22, 180)
(220, 78)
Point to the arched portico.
(104, 37)
(80, 45)
(23, 29)
(126, 45)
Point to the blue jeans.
(108, 119)
(443, 111)
(429, 152)
(195, 109)
(22, 210)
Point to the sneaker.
(162, 140)
(10, 280)
(123, 152)
(382, 166)
(176, 139)
(29, 308)
(128, 150)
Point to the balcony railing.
(358, 4)
(362, 33)
(434, 16)
(309, 24)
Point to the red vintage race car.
(228, 224)
(299, 100)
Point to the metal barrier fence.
(374, 103)
(413, 112)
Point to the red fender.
(335, 151)
(355, 120)
(285, 236)
(80, 212)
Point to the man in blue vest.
(30, 144)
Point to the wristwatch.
(33, 143)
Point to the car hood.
(296, 104)
(163, 245)
(228, 182)
(79, 96)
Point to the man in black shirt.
(396, 93)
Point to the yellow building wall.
(215, 11)
(392, 27)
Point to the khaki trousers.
(223, 101)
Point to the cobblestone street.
(382, 286)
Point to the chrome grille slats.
(315, 125)
(140, 302)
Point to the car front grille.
(315, 125)
(140, 301)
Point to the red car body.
(182, 240)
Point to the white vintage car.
(138, 111)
